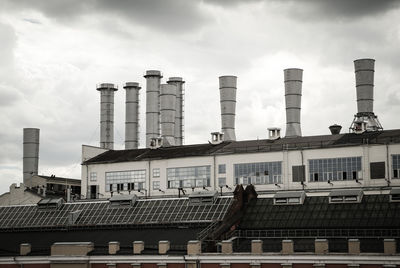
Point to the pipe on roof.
(153, 78)
(107, 115)
(227, 89)
(293, 79)
(132, 115)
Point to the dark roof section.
(59, 179)
(374, 211)
(250, 146)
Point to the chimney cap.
(150, 73)
(335, 129)
(132, 84)
(175, 79)
(106, 86)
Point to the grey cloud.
(33, 21)
(170, 16)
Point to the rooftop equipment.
(167, 109)
(203, 197)
(50, 203)
(30, 154)
(217, 137)
(274, 133)
(107, 115)
(395, 195)
(153, 79)
(293, 79)
(132, 115)
(123, 200)
(179, 112)
(365, 119)
(346, 196)
(227, 89)
(289, 198)
(335, 129)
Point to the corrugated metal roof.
(249, 146)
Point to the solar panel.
(150, 211)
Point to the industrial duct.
(167, 108)
(153, 78)
(30, 154)
(365, 119)
(227, 89)
(107, 115)
(178, 82)
(293, 82)
(132, 115)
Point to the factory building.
(288, 201)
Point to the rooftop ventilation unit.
(274, 133)
(289, 198)
(206, 197)
(395, 195)
(123, 200)
(217, 137)
(156, 143)
(50, 203)
(73, 216)
(346, 196)
(335, 129)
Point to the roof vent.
(50, 203)
(123, 200)
(156, 143)
(217, 137)
(345, 196)
(204, 197)
(395, 195)
(289, 198)
(335, 129)
(274, 133)
(73, 216)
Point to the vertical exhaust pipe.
(153, 78)
(167, 108)
(227, 90)
(132, 115)
(179, 114)
(30, 154)
(364, 71)
(365, 119)
(107, 115)
(293, 79)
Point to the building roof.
(249, 146)
(56, 180)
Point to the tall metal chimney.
(365, 119)
(30, 154)
(167, 108)
(178, 82)
(227, 90)
(293, 78)
(132, 115)
(107, 115)
(153, 78)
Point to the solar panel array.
(166, 211)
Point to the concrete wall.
(369, 153)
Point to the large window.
(335, 169)
(258, 173)
(188, 177)
(125, 180)
(396, 166)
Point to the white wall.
(369, 153)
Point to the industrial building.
(285, 201)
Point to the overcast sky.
(53, 53)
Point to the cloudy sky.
(53, 53)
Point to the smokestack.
(107, 115)
(293, 81)
(227, 90)
(132, 115)
(365, 119)
(153, 78)
(167, 108)
(178, 82)
(364, 70)
(30, 154)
